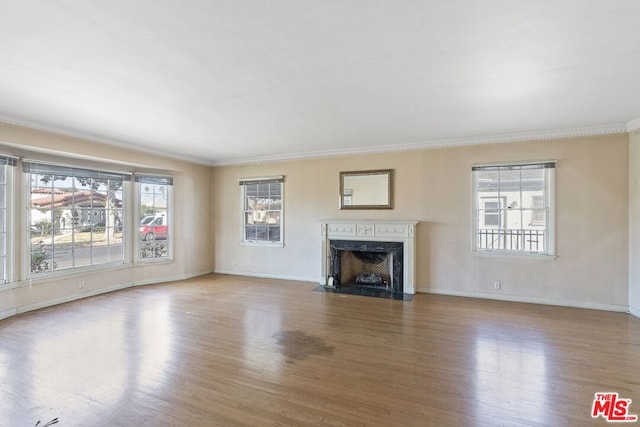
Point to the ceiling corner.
(633, 125)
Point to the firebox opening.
(371, 269)
(367, 264)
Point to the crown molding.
(94, 138)
(441, 143)
(389, 148)
(633, 125)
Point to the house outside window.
(76, 217)
(493, 214)
(538, 213)
(154, 228)
(262, 200)
(514, 208)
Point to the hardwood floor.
(225, 350)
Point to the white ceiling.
(228, 81)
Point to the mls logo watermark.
(612, 408)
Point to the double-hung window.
(154, 228)
(76, 217)
(513, 208)
(5, 164)
(262, 210)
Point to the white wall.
(634, 223)
(434, 187)
(593, 208)
(191, 225)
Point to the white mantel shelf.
(372, 230)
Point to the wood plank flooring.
(225, 350)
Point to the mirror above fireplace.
(371, 189)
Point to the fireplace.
(367, 264)
(369, 254)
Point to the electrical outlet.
(81, 284)
(496, 284)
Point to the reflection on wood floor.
(225, 350)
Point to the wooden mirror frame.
(345, 205)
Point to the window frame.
(243, 182)
(154, 179)
(8, 164)
(549, 251)
(76, 170)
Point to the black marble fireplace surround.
(368, 249)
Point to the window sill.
(528, 256)
(7, 286)
(262, 244)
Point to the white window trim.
(10, 235)
(135, 225)
(550, 232)
(514, 255)
(24, 220)
(261, 243)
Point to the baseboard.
(8, 313)
(74, 297)
(268, 276)
(634, 312)
(530, 300)
(77, 296)
(170, 279)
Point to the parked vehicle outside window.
(154, 229)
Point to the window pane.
(41, 258)
(273, 217)
(251, 232)
(533, 179)
(487, 180)
(114, 253)
(250, 203)
(82, 251)
(275, 203)
(275, 190)
(492, 218)
(251, 190)
(262, 232)
(274, 233)
(509, 181)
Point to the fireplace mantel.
(372, 230)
